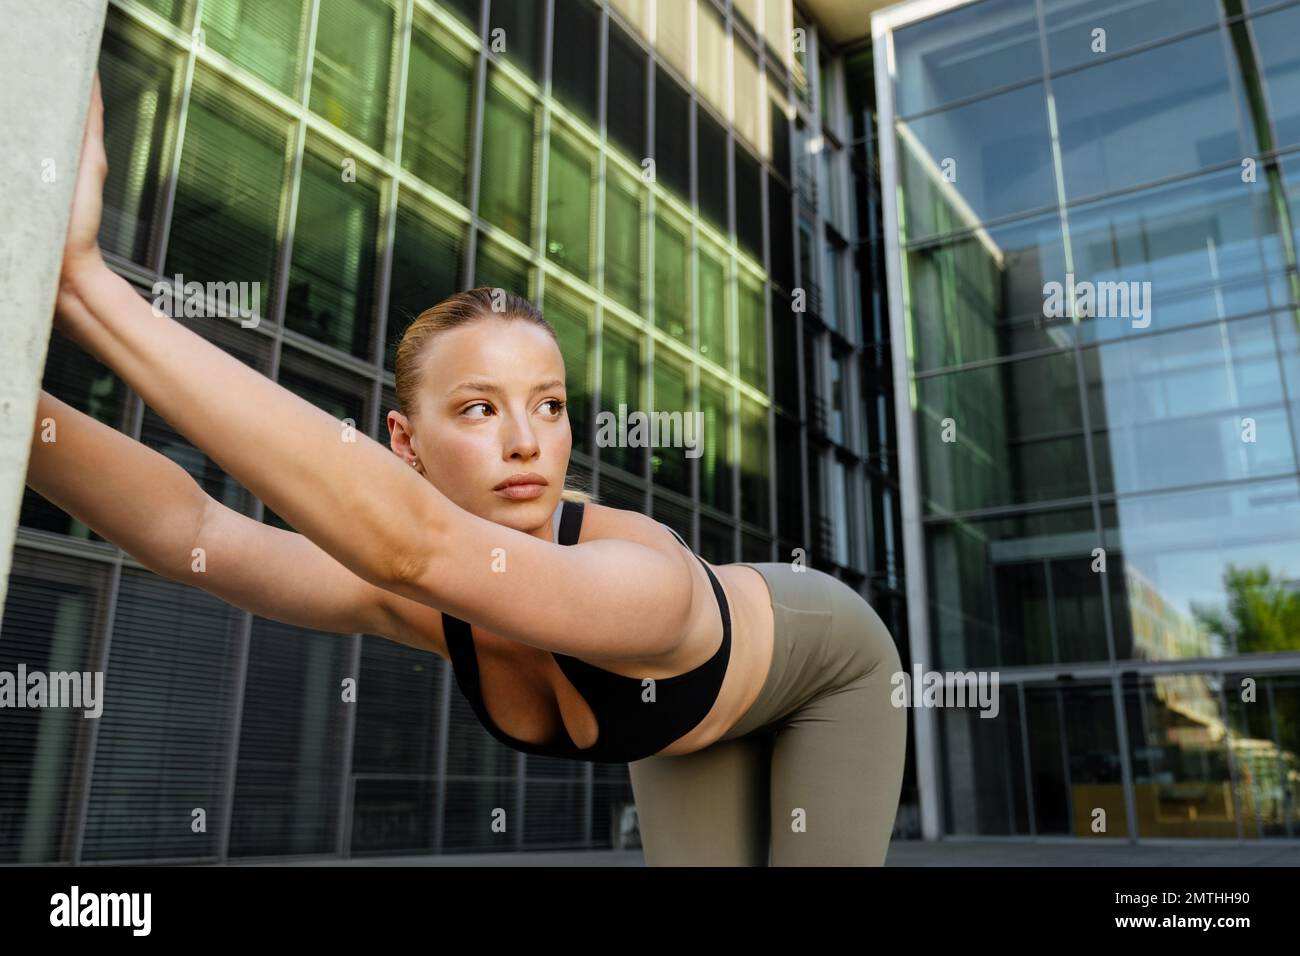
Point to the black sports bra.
(630, 727)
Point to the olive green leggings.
(812, 773)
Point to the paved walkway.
(901, 853)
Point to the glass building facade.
(678, 184)
(1103, 506)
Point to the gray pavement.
(901, 853)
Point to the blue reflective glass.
(986, 160)
(966, 52)
(1072, 26)
(1162, 112)
(1187, 408)
(1208, 247)
(1273, 39)
(1204, 573)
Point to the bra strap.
(570, 521)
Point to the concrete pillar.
(48, 54)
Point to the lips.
(522, 487)
(527, 478)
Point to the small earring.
(415, 462)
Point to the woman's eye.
(558, 403)
(476, 405)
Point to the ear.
(399, 433)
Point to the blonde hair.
(452, 312)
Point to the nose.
(519, 441)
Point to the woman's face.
(492, 407)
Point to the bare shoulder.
(602, 521)
(420, 626)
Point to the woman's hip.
(825, 635)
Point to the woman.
(750, 701)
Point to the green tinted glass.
(262, 37)
(331, 278)
(669, 466)
(753, 463)
(437, 125)
(224, 226)
(428, 251)
(349, 80)
(623, 240)
(752, 333)
(716, 460)
(620, 384)
(672, 278)
(506, 190)
(495, 267)
(568, 206)
(136, 73)
(572, 324)
(713, 309)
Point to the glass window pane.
(672, 34)
(672, 277)
(620, 384)
(1176, 409)
(436, 133)
(669, 463)
(428, 255)
(572, 321)
(749, 95)
(672, 135)
(1002, 434)
(754, 475)
(717, 461)
(1071, 26)
(498, 269)
(262, 37)
(569, 213)
(506, 180)
(224, 225)
(711, 56)
(777, 28)
(714, 307)
(1074, 757)
(980, 296)
(577, 28)
(1204, 573)
(624, 200)
(520, 25)
(746, 11)
(752, 331)
(973, 163)
(781, 237)
(779, 112)
(749, 204)
(331, 278)
(1199, 249)
(349, 79)
(626, 107)
(136, 76)
(711, 152)
(633, 11)
(467, 10)
(992, 595)
(1177, 95)
(177, 11)
(965, 52)
(1273, 37)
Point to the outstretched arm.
(347, 493)
(154, 510)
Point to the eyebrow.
(478, 386)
